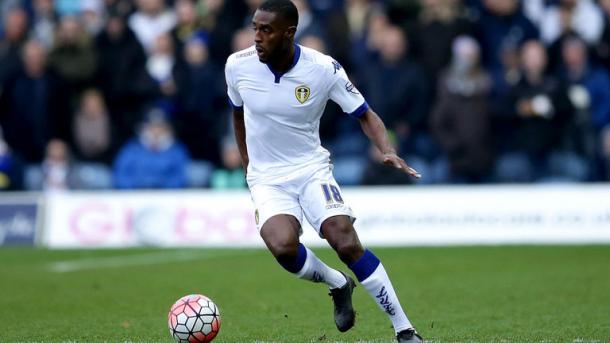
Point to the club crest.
(302, 93)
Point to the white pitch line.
(140, 259)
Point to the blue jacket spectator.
(154, 159)
(500, 21)
(577, 70)
(33, 106)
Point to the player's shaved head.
(285, 9)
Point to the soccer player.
(278, 91)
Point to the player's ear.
(290, 32)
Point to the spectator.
(220, 20)
(44, 22)
(602, 49)
(461, 120)
(589, 93)
(15, 35)
(187, 22)
(73, 55)
(161, 63)
(94, 14)
(537, 114)
(153, 159)
(336, 30)
(33, 108)
(308, 23)
(397, 89)
(57, 169)
(6, 6)
(365, 49)
(577, 70)
(501, 22)
(231, 175)
(121, 6)
(188, 25)
(357, 12)
(199, 101)
(582, 17)
(67, 7)
(10, 168)
(92, 130)
(151, 20)
(535, 10)
(510, 73)
(438, 24)
(121, 73)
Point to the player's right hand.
(393, 160)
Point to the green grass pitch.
(454, 294)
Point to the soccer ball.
(194, 319)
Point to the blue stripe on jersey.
(235, 107)
(359, 112)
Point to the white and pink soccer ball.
(194, 319)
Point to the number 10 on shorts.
(331, 193)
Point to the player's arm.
(240, 135)
(374, 128)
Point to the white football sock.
(380, 287)
(317, 271)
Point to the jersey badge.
(302, 93)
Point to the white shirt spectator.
(148, 27)
(587, 20)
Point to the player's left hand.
(393, 160)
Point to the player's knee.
(349, 250)
(337, 226)
(283, 249)
(343, 238)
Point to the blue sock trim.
(365, 266)
(296, 264)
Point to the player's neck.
(284, 61)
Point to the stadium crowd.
(99, 94)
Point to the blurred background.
(105, 95)
(115, 133)
(102, 94)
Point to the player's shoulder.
(242, 57)
(324, 63)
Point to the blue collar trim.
(295, 60)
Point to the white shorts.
(310, 191)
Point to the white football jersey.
(282, 111)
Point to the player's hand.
(393, 160)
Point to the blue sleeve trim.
(359, 112)
(235, 107)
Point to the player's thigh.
(322, 198)
(281, 234)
